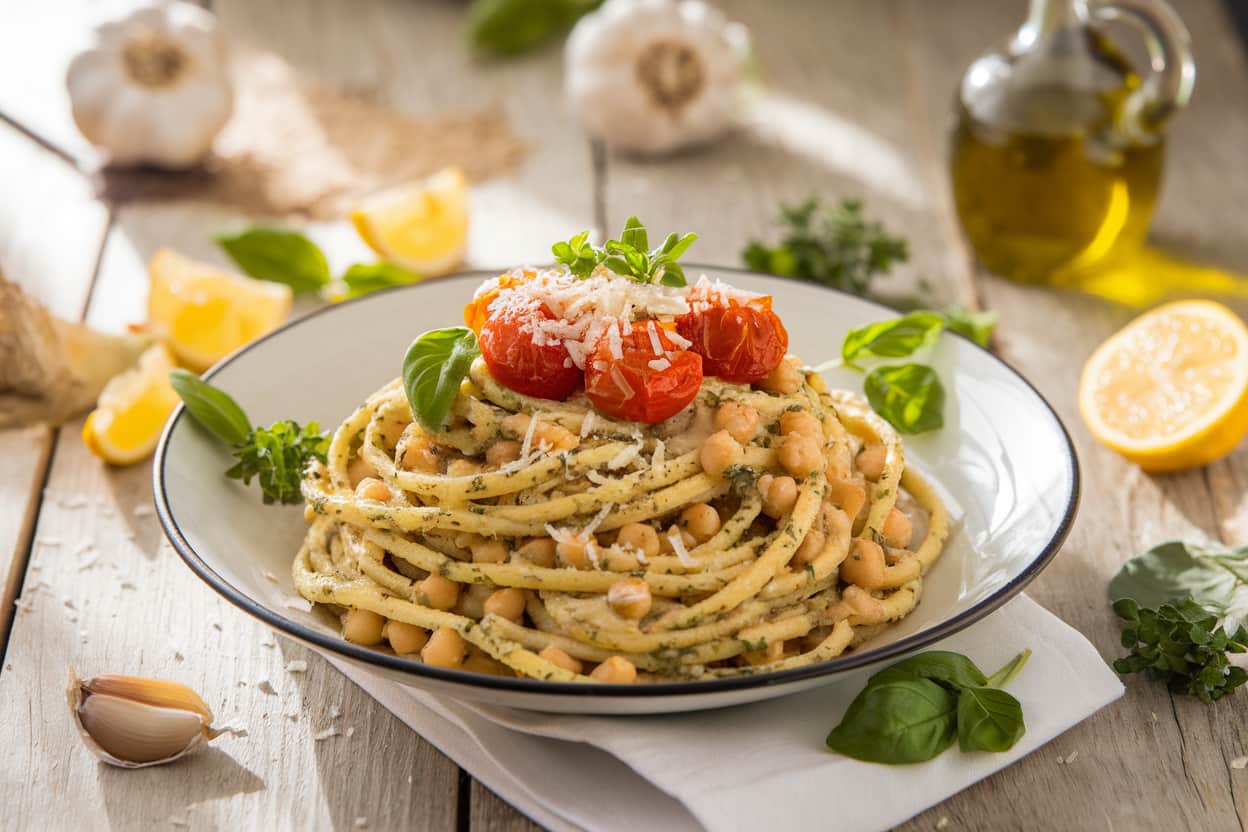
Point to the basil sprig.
(1182, 608)
(891, 339)
(914, 710)
(276, 455)
(630, 256)
(433, 368)
(281, 255)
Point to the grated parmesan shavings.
(678, 545)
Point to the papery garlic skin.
(132, 722)
(153, 88)
(654, 76)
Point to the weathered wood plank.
(490, 813)
(47, 205)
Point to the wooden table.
(861, 96)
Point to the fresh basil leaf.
(634, 235)
(509, 27)
(909, 397)
(363, 278)
(212, 408)
(675, 247)
(1009, 670)
(617, 264)
(433, 368)
(977, 326)
(1174, 570)
(989, 719)
(951, 670)
(896, 338)
(280, 256)
(897, 721)
(673, 275)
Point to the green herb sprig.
(280, 255)
(630, 256)
(509, 27)
(1182, 608)
(914, 710)
(277, 455)
(837, 247)
(433, 368)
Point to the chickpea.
(778, 495)
(471, 601)
(811, 547)
(665, 540)
(462, 468)
(839, 462)
(865, 565)
(481, 662)
(489, 551)
(559, 658)
(616, 670)
(896, 531)
(405, 638)
(437, 592)
(420, 456)
(445, 648)
(848, 496)
(740, 420)
(373, 489)
(361, 626)
(574, 552)
(868, 609)
(803, 423)
(719, 452)
(641, 537)
(506, 603)
(515, 425)
(360, 469)
(836, 521)
(630, 598)
(784, 379)
(870, 460)
(800, 455)
(540, 551)
(502, 452)
(701, 520)
(556, 437)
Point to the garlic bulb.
(133, 723)
(653, 76)
(153, 88)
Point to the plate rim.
(956, 623)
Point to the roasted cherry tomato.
(738, 342)
(519, 364)
(642, 386)
(477, 310)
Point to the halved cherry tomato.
(631, 388)
(739, 342)
(477, 310)
(544, 371)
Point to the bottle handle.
(1169, 84)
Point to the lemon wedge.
(204, 313)
(422, 226)
(1170, 390)
(132, 410)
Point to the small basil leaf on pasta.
(433, 368)
(896, 338)
(280, 256)
(988, 720)
(363, 278)
(897, 721)
(952, 670)
(212, 408)
(977, 326)
(910, 397)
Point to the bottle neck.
(1047, 17)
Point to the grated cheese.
(660, 454)
(659, 364)
(587, 424)
(624, 457)
(653, 331)
(678, 544)
(526, 446)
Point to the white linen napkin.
(752, 766)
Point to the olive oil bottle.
(1058, 150)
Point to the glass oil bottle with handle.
(1059, 146)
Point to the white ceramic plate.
(1003, 458)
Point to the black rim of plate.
(468, 679)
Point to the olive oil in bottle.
(1055, 167)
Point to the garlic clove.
(132, 722)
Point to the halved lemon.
(1170, 390)
(204, 313)
(422, 226)
(132, 410)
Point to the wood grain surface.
(857, 102)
